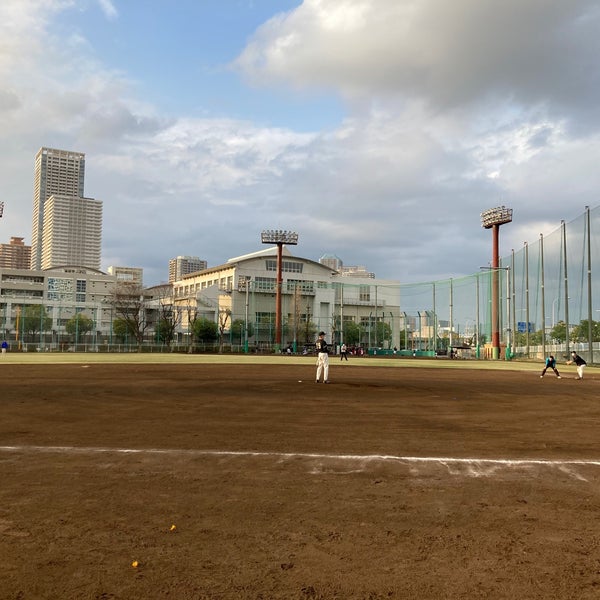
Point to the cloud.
(108, 8)
(445, 117)
(449, 54)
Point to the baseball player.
(322, 358)
(579, 362)
(550, 364)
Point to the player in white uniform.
(322, 358)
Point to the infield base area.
(387, 483)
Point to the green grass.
(169, 358)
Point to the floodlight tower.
(276, 236)
(492, 219)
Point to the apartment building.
(181, 266)
(15, 255)
(66, 226)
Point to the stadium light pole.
(492, 219)
(279, 237)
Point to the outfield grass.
(172, 358)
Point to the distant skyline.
(379, 130)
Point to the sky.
(378, 130)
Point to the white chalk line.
(445, 460)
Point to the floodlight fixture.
(278, 236)
(1, 208)
(496, 216)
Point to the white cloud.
(109, 9)
(453, 107)
(451, 54)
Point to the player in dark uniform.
(579, 362)
(322, 358)
(550, 364)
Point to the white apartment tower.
(184, 265)
(67, 230)
(72, 232)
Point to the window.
(60, 289)
(299, 284)
(287, 266)
(265, 284)
(365, 293)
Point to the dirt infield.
(387, 483)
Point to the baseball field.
(189, 477)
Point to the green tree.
(123, 330)
(78, 326)
(238, 330)
(35, 320)
(383, 333)
(309, 331)
(535, 338)
(559, 332)
(205, 330)
(351, 333)
(164, 331)
(580, 333)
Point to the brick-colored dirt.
(282, 489)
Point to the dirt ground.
(252, 482)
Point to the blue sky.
(376, 129)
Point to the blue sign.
(522, 327)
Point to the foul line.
(290, 455)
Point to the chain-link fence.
(548, 302)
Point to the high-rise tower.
(56, 172)
(59, 206)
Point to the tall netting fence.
(548, 301)
(543, 298)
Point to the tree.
(169, 317)
(35, 320)
(580, 333)
(559, 332)
(351, 333)
(238, 330)
(383, 332)
(295, 321)
(122, 330)
(535, 338)
(310, 330)
(128, 302)
(164, 332)
(205, 330)
(224, 318)
(79, 325)
(192, 315)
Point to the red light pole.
(280, 238)
(492, 219)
